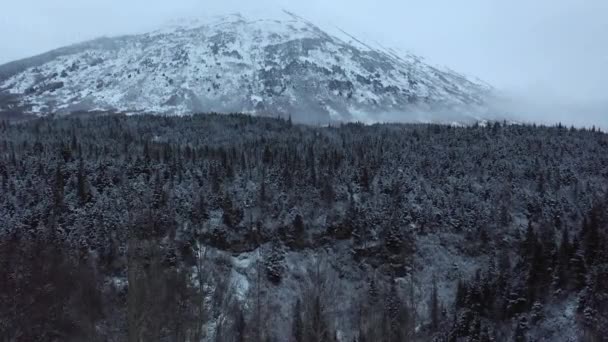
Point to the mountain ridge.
(233, 63)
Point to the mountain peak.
(250, 17)
(267, 63)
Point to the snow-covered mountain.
(280, 66)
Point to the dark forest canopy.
(127, 206)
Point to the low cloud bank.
(550, 109)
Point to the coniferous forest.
(236, 228)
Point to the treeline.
(131, 207)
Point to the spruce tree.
(297, 328)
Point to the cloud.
(549, 109)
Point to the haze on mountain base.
(548, 58)
(541, 108)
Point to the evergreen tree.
(364, 179)
(434, 307)
(578, 269)
(274, 263)
(82, 186)
(58, 190)
(297, 329)
(298, 229)
(520, 330)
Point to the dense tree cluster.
(547, 269)
(130, 205)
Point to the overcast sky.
(550, 56)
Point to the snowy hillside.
(223, 228)
(280, 66)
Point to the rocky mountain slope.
(280, 66)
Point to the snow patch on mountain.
(280, 66)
